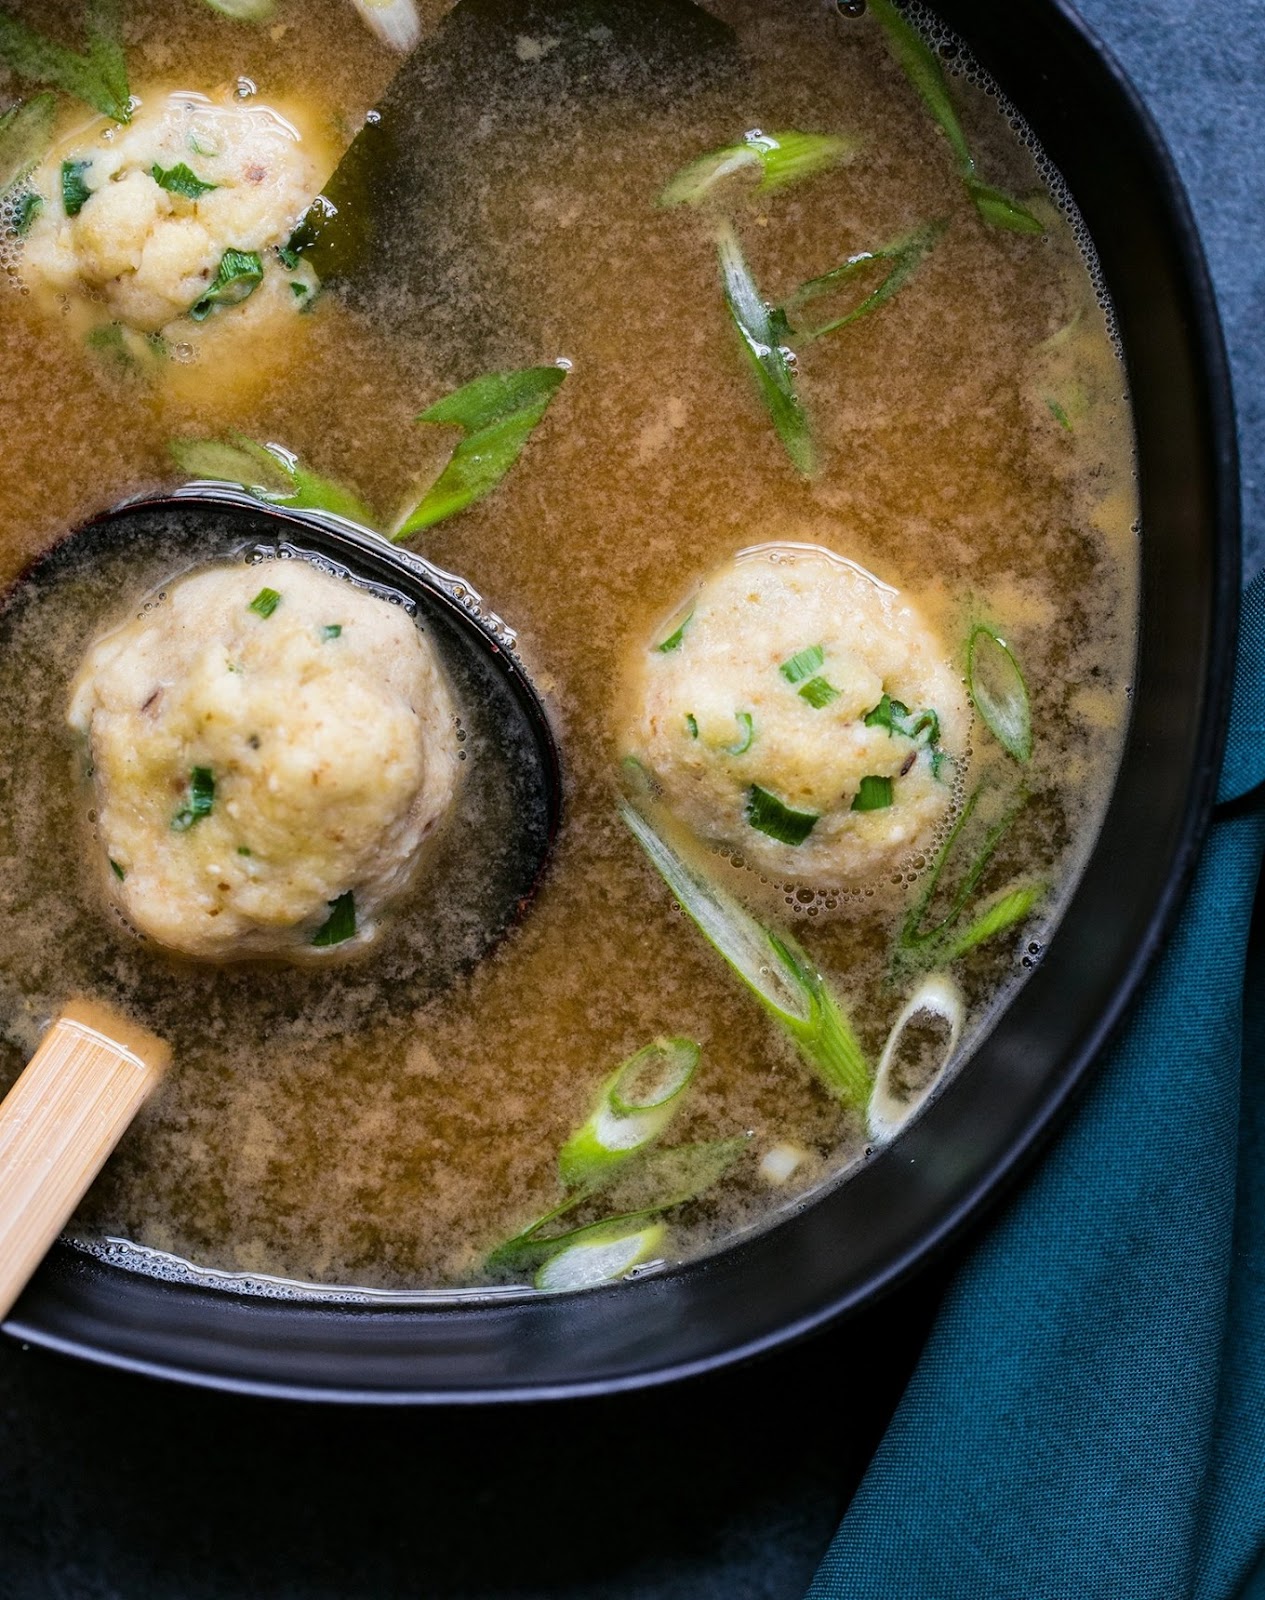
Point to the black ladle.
(511, 781)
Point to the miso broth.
(391, 1123)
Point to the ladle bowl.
(510, 758)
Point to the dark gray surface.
(115, 1487)
(1201, 70)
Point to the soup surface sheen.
(390, 1125)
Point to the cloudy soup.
(752, 364)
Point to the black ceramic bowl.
(899, 1209)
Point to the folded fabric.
(1088, 1417)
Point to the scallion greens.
(632, 1110)
(658, 1181)
(763, 331)
(803, 664)
(819, 692)
(340, 925)
(677, 635)
(746, 734)
(902, 258)
(604, 1256)
(98, 76)
(265, 603)
(609, 1160)
(999, 692)
(75, 192)
(270, 472)
(769, 815)
(497, 414)
(777, 972)
(244, 10)
(923, 727)
(922, 67)
(25, 212)
(200, 802)
(26, 131)
(239, 274)
(935, 941)
(181, 180)
(873, 794)
(776, 158)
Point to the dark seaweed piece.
(405, 212)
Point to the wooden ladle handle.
(59, 1122)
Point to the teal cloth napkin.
(1088, 1417)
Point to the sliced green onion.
(231, 463)
(26, 211)
(779, 158)
(746, 737)
(633, 1109)
(762, 329)
(244, 10)
(937, 996)
(98, 76)
(603, 1258)
(181, 180)
(265, 603)
(999, 692)
(905, 256)
(26, 131)
(331, 630)
(395, 22)
(239, 274)
(778, 973)
(127, 349)
(119, 872)
(1000, 209)
(873, 794)
(921, 726)
(270, 472)
(657, 1181)
(340, 925)
(244, 850)
(819, 692)
(673, 640)
(922, 67)
(913, 932)
(803, 664)
(1006, 909)
(896, 717)
(691, 723)
(938, 943)
(1059, 413)
(201, 800)
(497, 413)
(639, 778)
(75, 193)
(769, 815)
